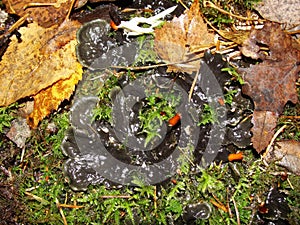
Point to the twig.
(273, 139)
(61, 211)
(227, 203)
(140, 67)
(236, 212)
(155, 199)
(10, 7)
(193, 85)
(218, 203)
(15, 25)
(288, 180)
(290, 117)
(7, 172)
(22, 154)
(224, 49)
(36, 198)
(184, 5)
(154, 66)
(32, 188)
(70, 9)
(293, 32)
(71, 206)
(115, 196)
(38, 4)
(190, 160)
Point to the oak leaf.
(183, 39)
(272, 83)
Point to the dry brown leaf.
(45, 15)
(272, 83)
(49, 99)
(19, 132)
(264, 123)
(281, 11)
(286, 154)
(177, 40)
(36, 63)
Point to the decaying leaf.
(44, 57)
(272, 83)
(264, 123)
(286, 154)
(30, 66)
(49, 99)
(179, 40)
(281, 11)
(46, 12)
(19, 132)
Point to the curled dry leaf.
(182, 39)
(272, 83)
(44, 57)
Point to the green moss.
(7, 115)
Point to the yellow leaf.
(49, 99)
(30, 66)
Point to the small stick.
(38, 4)
(193, 85)
(140, 67)
(293, 32)
(190, 160)
(15, 25)
(236, 212)
(155, 199)
(22, 154)
(273, 139)
(11, 8)
(227, 203)
(290, 117)
(115, 196)
(71, 206)
(153, 66)
(7, 172)
(37, 198)
(70, 9)
(128, 10)
(31, 189)
(288, 180)
(61, 212)
(184, 5)
(218, 203)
